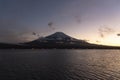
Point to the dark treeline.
(55, 46)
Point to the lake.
(58, 64)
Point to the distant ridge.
(58, 40)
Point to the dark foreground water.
(59, 64)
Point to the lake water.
(59, 64)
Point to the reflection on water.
(59, 64)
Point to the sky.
(96, 21)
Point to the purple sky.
(97, 21)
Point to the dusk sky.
(97, 21)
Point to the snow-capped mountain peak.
(57, 39)
(58, 36)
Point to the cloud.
(97, 41)
(118, 34)
(104, 30)
(35, 34)
(101, 35)
(50, 25)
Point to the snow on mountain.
(58, 36)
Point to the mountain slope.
(61, 40)
(57, 38)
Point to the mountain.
(61, 40)
(57, 40)
(58, 37)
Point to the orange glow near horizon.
(111, 40)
